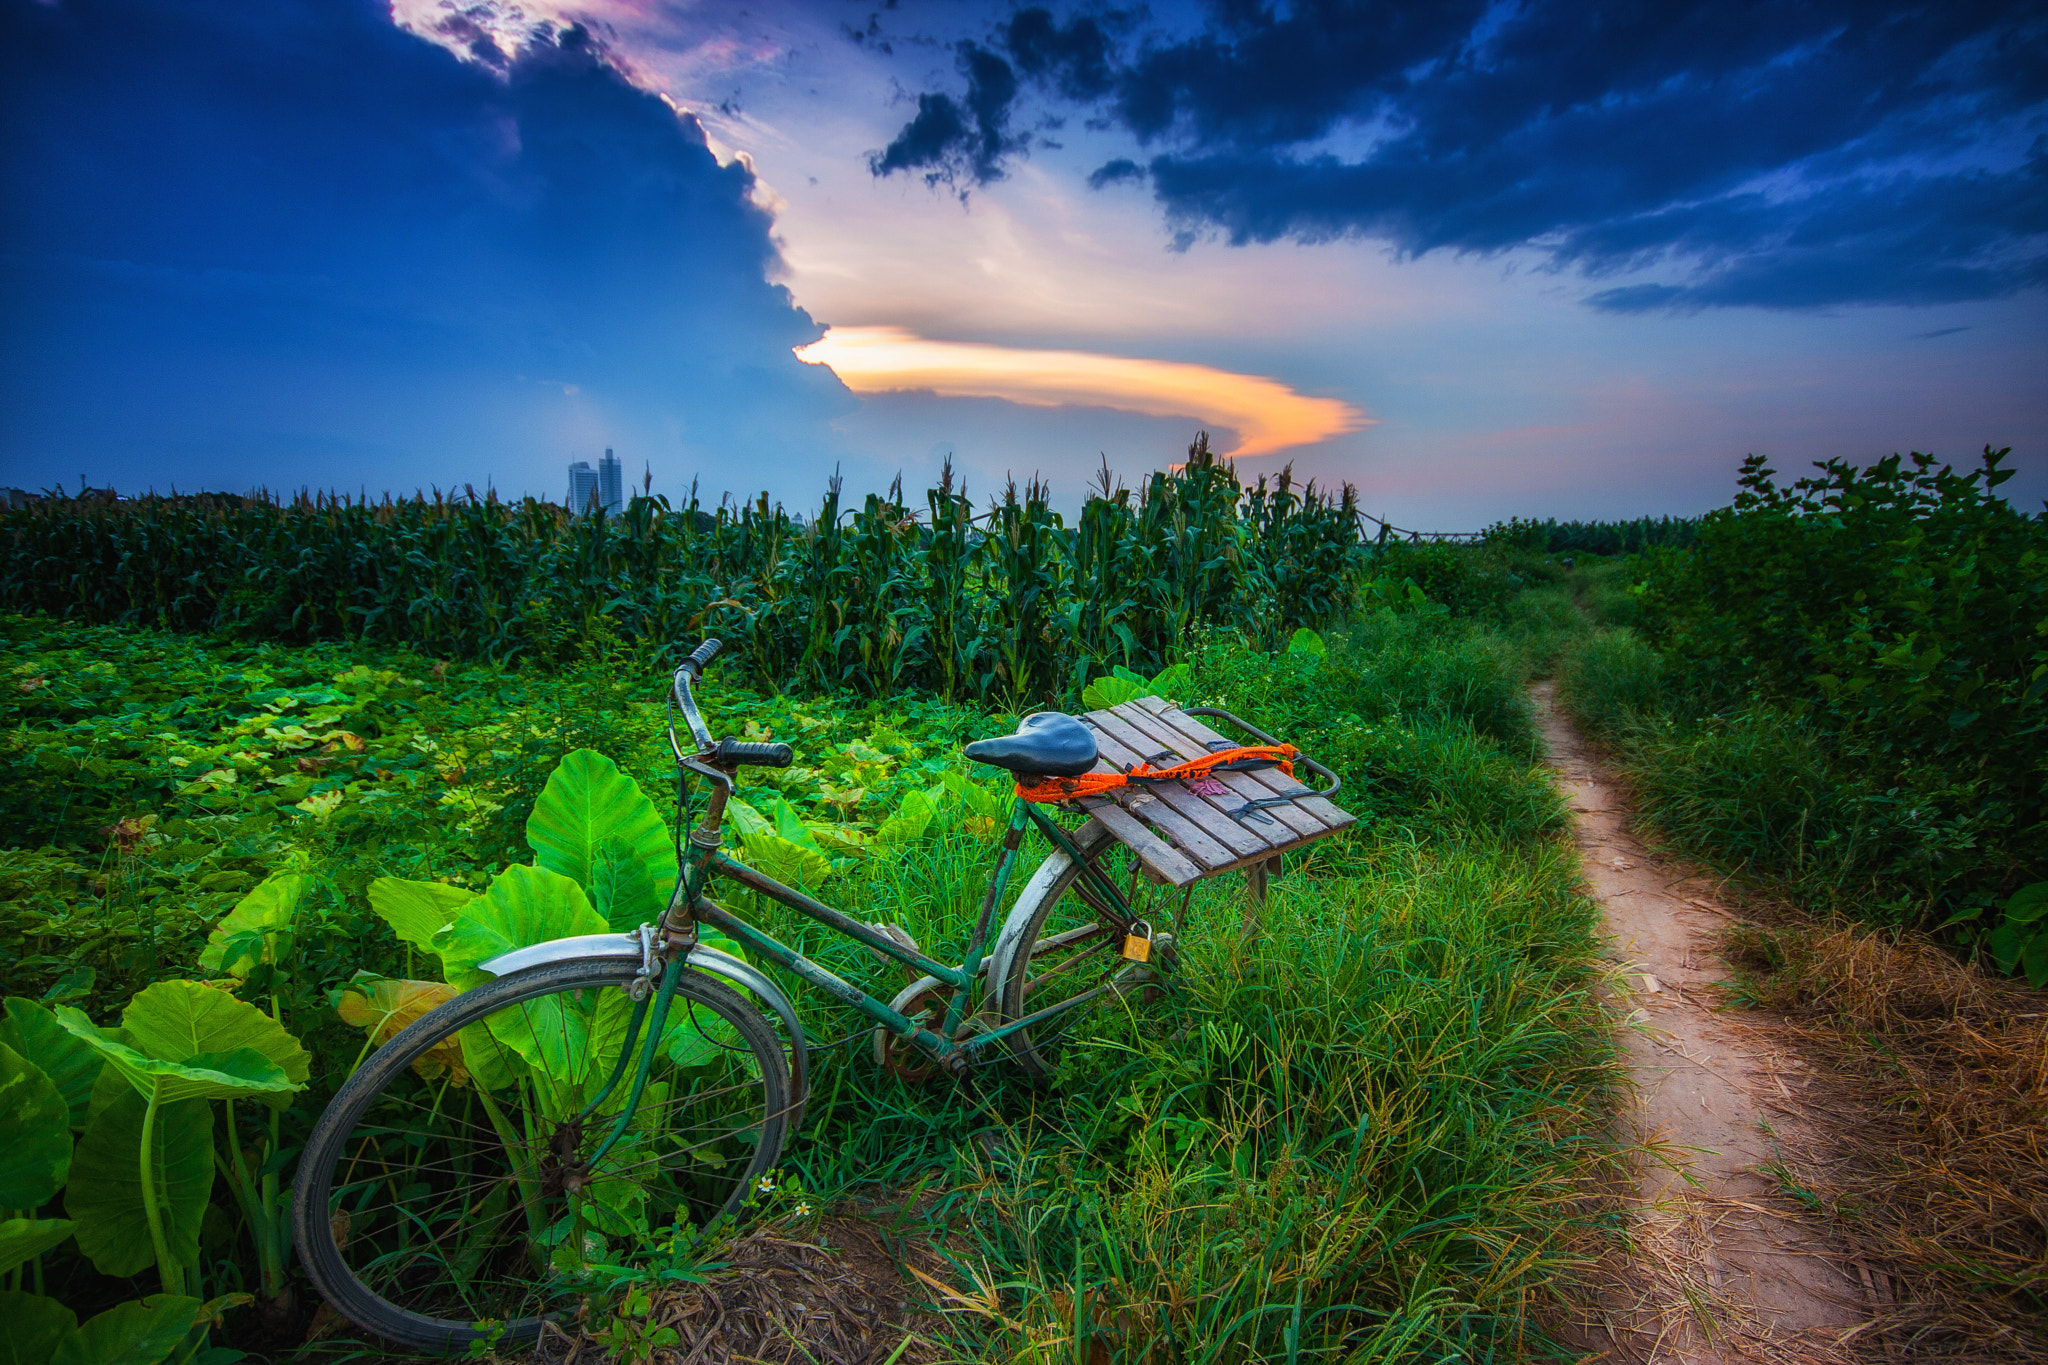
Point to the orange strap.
(1049, 790)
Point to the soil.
(846, 1292)
(1720, 1266)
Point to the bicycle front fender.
(708, 960)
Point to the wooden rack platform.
(1185, 831)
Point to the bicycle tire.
(1056, 919)
(466, 1231)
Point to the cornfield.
(876, 598)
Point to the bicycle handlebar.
(703, 655)
(691, 669)
(738, 751)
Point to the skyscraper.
(610, 486)
(582, 487)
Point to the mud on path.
(1719, 1269)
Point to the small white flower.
(765, 1185)
(803, 1210)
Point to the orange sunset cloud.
(1266, 415)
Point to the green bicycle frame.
(701, 863)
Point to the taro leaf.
(208, 1076)
(2034, 957)
(104, 1197)
(829, 839)
(789, 824)
(246, 936)
(418, 910)
(1104, 693)
(622, 888)
(746, 819)
(788, 863)
(69, 1062)
(35, 1134)
(1173, 681)
(2007, 941)
(1306, 641)
(133, 1333)
(21, 1238)
(913, 816)
(36, 1328)
(75, 984)
(570, 1041)
(978, 799)
(2027, 904)
(525, 905)
(383, 1008)
(587, 800)
(493, 1065)
(176, 1021)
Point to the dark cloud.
(1115, 173)
(965, 142)
(291, 243)
(1736, 146)
(1074, 57)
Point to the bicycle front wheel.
(450, 1191)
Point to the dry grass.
(1932, 1164)
(837, 1297)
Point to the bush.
(1849, 695)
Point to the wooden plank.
(1285, 825)
(1161, 859)
(1126, 748)
(1217, 814)
(1175, 830)
(1281, 784)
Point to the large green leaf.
(179, 1020)
(104, 1197)
(70, 1064)
(21, 1238)
(570, 1041)
(35, 1134)
(1306, 641)
(525, 905)
(36, 1328)
(1104, 693)
(912, 817)
(978, 800)
(418, 910)
(788, 863)
(208, 1076)
(247, 936)
(133, 1333)
(587, 800)
(622, 888)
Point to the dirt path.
(1719, 1272)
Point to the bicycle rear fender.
(708, 960)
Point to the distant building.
(582, 487)
(602, 487)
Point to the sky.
(1477, 259)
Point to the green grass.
(1756, 789)
(1370, 1134)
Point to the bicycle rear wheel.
(1062, 945)
(448, 1192)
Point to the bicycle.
(507, 1148)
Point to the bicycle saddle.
(1047, 744)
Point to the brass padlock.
(1138, 943)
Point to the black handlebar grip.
(738, 751)
(702, 655)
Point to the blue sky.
(1478, 259)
